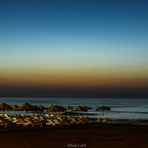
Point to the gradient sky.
(87, 46)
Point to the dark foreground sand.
(103, 136)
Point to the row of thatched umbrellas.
(52, 108)
(22, 107)
(29, 107)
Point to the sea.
(130, 111)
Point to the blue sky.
(76, 35)
(82, 25)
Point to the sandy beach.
(104, 136)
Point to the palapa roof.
(56, 108)
(5, 107)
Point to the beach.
(91, 136)
(22, 126)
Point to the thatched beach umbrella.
(26, 107)
(5, 107)
(38, 108)
(56, 108)
(103, 109)
(80, 108)
(69, 107)
(15, 107)
(42, 107)
(87, 107)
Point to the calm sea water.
(121, 109)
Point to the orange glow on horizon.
(71, 80)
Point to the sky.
(74, 48)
